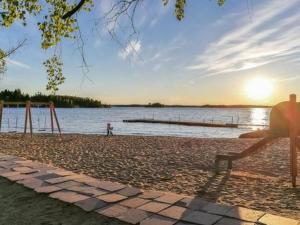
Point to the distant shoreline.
(196, 106)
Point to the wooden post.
(51, 115)
(1, 112)
(30, 119)
(26, 117)
(293, 137)
(56, 120)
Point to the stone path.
(128, 204)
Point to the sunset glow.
(259, 88)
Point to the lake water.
(93, 121)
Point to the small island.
(155, 105)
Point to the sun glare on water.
(259, 88)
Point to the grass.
(21, 206)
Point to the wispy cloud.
(289, 79)
(161, 55)
(268, 38)
(18, 64)
(131, 50)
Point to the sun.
(259, 88)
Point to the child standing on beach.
(109, 129)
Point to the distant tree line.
(155, 105)
(58, 100)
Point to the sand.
(182, 165)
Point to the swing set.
(28, 116)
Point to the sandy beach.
(182, 165)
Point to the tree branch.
(13, 50)
(74, 10)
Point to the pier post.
(292, 116)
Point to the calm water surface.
(93, 121)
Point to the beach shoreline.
(178, 164)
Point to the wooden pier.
(184, 123)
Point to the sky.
(211, 57)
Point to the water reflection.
(259, 116)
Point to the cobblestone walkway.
(128, 204)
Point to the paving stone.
(18, 177)
(34, 175)
(245, 214)
(229, 221)
(68, 196)
(7, 165)
(47, 189)
(111, 198)
(277, 220)
(202, 218)
(45, 168)
(41, 166)
(4, 163)
(151, 194)
(24, 176)
(2, 170)
(110, 186)
(33, 164)
(61, 172)
(24, 170)
(134, 216)
(11, 158)
(62, 179)
(31, 183)
(134, 202)
(91, 204)
(47, 176)
(169, 198)
(87, 190)
(217, 209)
(10, 174)
(193, 203)
(23, 161)
(158, 220)
(175, 212)
(87, 180)
(130, 191)
(183, 223)
(106, 185)
(67, 184)
(112, 211)
(27, 163)
(154, 207)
